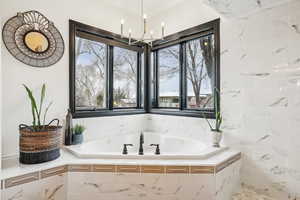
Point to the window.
(200, 73)
(104, 73)
(179, 75)
(168, 73)
(185, 72)
(90, 78)
(125, 78)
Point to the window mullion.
(138, 83)
(217, 73)
(107, 76)
(147, 79)
(156, 78)
(110, 76)
(182, 74)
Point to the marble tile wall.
(103, 127)
(260, 80)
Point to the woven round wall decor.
(32, 39)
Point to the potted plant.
(78, 134)
(216, 130)
(39, 142)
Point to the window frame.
(111, 40)
(181, 38)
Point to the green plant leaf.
(218, 116)
(210, 126)
(78, 129)
(43, 92)
(219, 120)
(217, 98)
(33, 105)
(46, 111)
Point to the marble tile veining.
(135, 186)
(52, 188)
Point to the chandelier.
(145, 38)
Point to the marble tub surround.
(50, 188)
(130, 179)
(133, 186)
(175, 184)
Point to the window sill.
(184, 113)
(107, 113)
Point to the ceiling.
(240, 8)
(151, 7)
(227, 8)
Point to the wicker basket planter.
(38, 146)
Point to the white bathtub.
(170, 148)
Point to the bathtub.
(170, 147)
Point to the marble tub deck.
(12, 168)
(70, 177)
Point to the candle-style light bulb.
(122, 27)
(145, 23)
(162, 30)
(151, 34)
(129, 31)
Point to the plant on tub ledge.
(78, 134)
(39, 142)
(216, 130)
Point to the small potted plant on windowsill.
(78, 134)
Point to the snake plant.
(36, 110)
(218, 115)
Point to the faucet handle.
(125, 151)
(157, 150)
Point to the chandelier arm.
(136, 41)
(143, 38)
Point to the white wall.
(16, 107)
(0, 100)
(0, 106)
(260, 80)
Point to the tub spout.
(141, 148)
